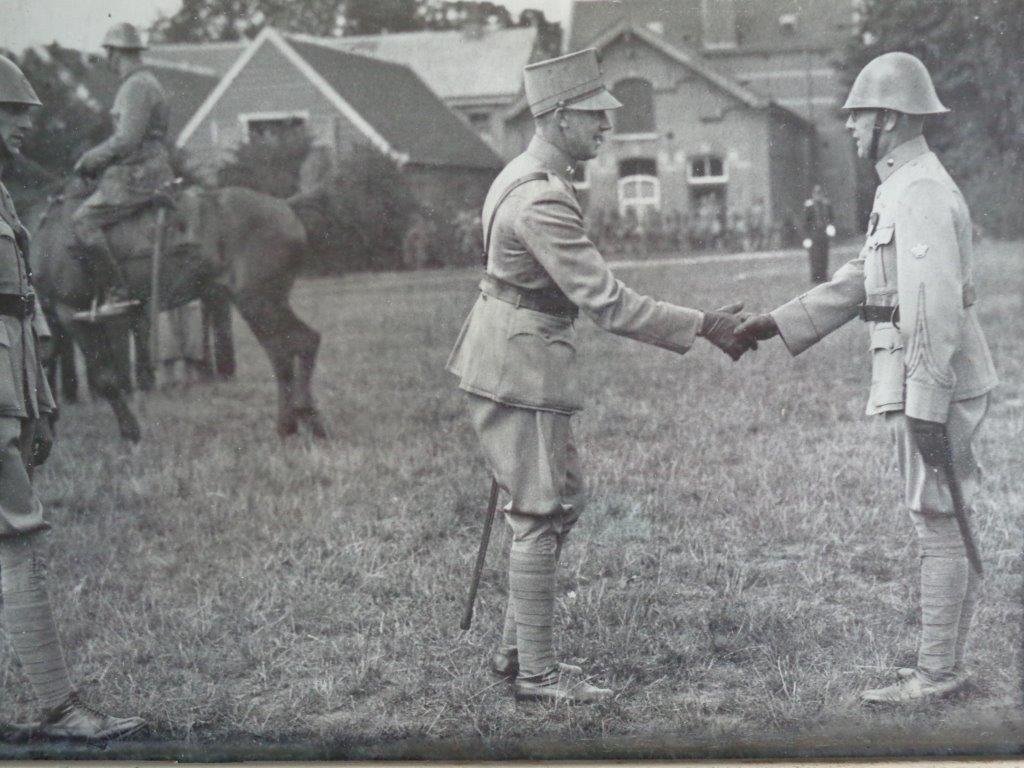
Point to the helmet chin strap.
(876, 134)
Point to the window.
(273, 126)
(707, 169)
(637, 113)
(480, 122)
(639, 187)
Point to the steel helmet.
(896, 81)
(124, 37)
(14, 86)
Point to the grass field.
(743, 570)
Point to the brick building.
(734, 98)
(341, 99)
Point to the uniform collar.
(551, 157)
(900, 156)
(134, 70)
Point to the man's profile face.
(861, 124)
(584, 132)
(15, 123)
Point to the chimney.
(719, 23)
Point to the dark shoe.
(505, 664)
(558, 688)
(912, 688)
(77, 721)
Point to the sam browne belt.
(16, 305)
(877, 313)
(546, 301)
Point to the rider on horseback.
(131, 165)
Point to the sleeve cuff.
(795, 326)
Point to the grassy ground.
(743, 570)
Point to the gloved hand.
(719, 326)
(760, 327)
(42, 439)
(88, 164)
(932, 441)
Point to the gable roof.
(392, 107)
(820, 24)
(724, 82)
(215, 57)
(456, 65)
(694, 63)
(397, 103)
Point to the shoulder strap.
(536, 176)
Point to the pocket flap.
(5, 339)
(548, 327)
(882, 236)
(886, 336)
(5, 230)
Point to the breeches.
(925, 488)
(532, 455)
(20, 510)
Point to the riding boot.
(105, 272)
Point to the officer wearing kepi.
(131, 165)
(913, 284)
(26, 408)
(516, 354)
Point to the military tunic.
(135, 159)
(519, 365)
(933, 363)
(24, 391)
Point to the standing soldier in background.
(818, 232)
(26, 411)
(913, 283)
(516, 354)
(131, 165)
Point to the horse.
(234, 241)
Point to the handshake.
(734, 332)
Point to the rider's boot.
(105, 271)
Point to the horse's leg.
(145, 374)
(269, 326)
(305, 342)
(103, 371)
(65, 359)
(217, 318)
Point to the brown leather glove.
(43, 437)
(719, 328)
(760, 327)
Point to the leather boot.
(77, 721)
(912, 688)
(558, 688)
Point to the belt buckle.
(28, 304)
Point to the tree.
(971, 49)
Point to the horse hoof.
(287, 428)
(133, 436)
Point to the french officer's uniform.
(913, 284)
(516, 354)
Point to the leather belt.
(874, 313)
(546, 301)
(16, 305)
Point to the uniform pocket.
(8, 392)
(887, 369)
(540, 362)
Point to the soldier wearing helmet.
(26, 411)
(913, 285)
(131, 165)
